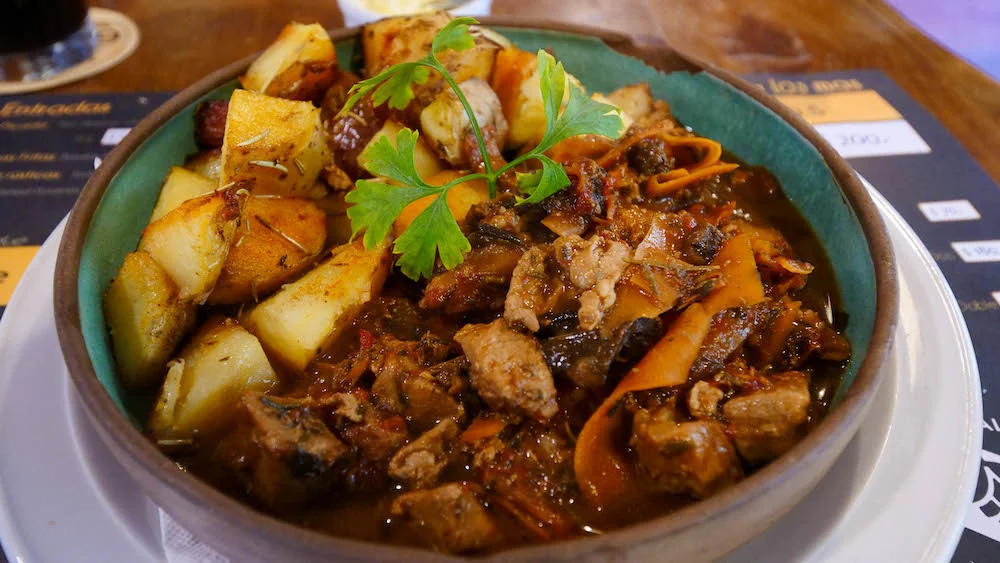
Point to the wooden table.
(182, 40)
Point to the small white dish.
(360, 12)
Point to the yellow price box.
(14, 261)
(841, 107)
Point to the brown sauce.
(366, 515)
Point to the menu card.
(952, 205)
(50, 145)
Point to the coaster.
(117, 38)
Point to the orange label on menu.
(839, 107)
(14, 261)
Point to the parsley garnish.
(434, 232)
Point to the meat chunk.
(350, 133)
(694, 458)
(585, 357)
(419, 463)
(392, 356)
(584, 197)
(210, 123)
(420, 398)
(345, 405)
(767, 422)
(526, 475)
(405, 383)
(428, 402)
(594, 267)
(471, 156)
(376, 438)
(451, 518)
(445, 122)
(703, 400)
(479, 283)
(393, 360)
(809, 336)
(498, 213)
(702, 244)
(393, 316)
(780, 272)
(650, 156)
(507, 369)
(296, 452)
(373, 440)
(729, 330)
(534, 288)
(285, 428)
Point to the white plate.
(898, 493)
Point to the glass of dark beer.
(40, 38)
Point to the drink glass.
(40, 38)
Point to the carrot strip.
(483, 427)
(742, 286)
(618, 152)
(602, 469)
(590, 146)
(668, 183)
(511, 68)
(713, 150)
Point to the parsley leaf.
(381, 158)
(542, 183)
(395, 83)
(455, 36)
(376, 206)
(433, 232)
(552, 79)
(363, 88)
(581, 116)
(398, 88)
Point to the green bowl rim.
(225, 515)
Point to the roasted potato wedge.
(305, 316)
(446, 124)
(300, 64)
(146, 319)
(408, 38)
(635, 101)
(277, 145)
(208, 163)
(278, 240)
(206, 381)
(517, 83)
(191, 242)
(424, 159)
(181, 185)
(338, 226)
(627, 120)
(461, 198)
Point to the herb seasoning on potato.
(460, 303)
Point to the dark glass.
(26, 25)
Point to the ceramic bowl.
(117, 202)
